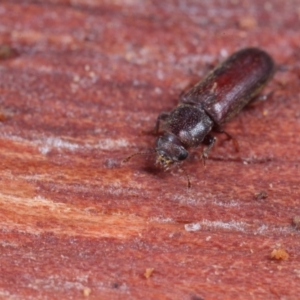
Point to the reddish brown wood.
(87, 78)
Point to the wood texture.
(82, 82)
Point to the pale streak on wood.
(59, 218)
(45, 144)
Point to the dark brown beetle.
(211, 103)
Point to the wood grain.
(80, 84)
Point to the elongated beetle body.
(211, 103)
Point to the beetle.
(210, 104)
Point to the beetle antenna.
(148, 151)
(186, 175)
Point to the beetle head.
(169, 150)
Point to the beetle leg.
(229, 137)
(209, 141)
(162, 117)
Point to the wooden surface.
(80, 81)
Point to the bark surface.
(80, 84)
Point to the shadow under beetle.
(209, 104)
